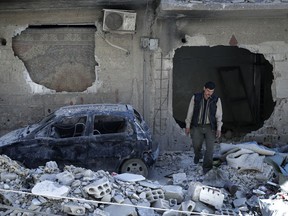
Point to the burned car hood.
(16, 135)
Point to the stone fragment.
(130, 177)
(50, 189)
(161, 204)
(239, 202)
(123, 210)
(73, 209)
(179, 179)
(173, 192)
(65, 178)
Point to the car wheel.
(135, 166)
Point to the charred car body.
(112, 137)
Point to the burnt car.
(111, 137)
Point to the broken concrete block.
(50, 189)
(5, 176)
(179, 179)
(211, 196)
(123, 210)
(73, 209)
(65, 178)
(51, 166)
(202, 207)
(130, 177)
(99, 188)
(239, 202)
(154, 195)
(118, 198)
(161, 203)
(149, 184)
(173, 192)
(143, 208)
(194, 190)
(170, 212)
(188, 206)
(99, 212)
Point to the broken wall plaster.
(34, 87)
(40, 89)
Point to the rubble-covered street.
(247, 179)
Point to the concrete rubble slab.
(50, 189)
(129, 177)
(122, 210)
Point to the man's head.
(209, 89)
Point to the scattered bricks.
(173, 192)
(154, 195)
(212, 196)
(73, 209)
(161, 204)
(99, 188)
(188, 206)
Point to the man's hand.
(218, 134)
(187, 131)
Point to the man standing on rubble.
(205, 116)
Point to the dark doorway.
(243, 82)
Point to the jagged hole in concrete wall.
(59, 57)
(243, 81)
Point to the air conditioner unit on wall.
(119, 21)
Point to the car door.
(111, 142)
(65, 141)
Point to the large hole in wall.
(243, 82)
(58, 57)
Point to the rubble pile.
(250, 182)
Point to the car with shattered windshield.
(111, 137)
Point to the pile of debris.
(247, 179)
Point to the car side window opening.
(107, 124)
(70, 126)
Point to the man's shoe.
(206, 170)
(196, 160)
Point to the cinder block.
(188, 206)
(161, 203)
(154, 195)
(211, 196)
(73, 209)
(99, 188)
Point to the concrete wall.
(128, 73)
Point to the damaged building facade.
(151, 54)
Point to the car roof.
(101, 108)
